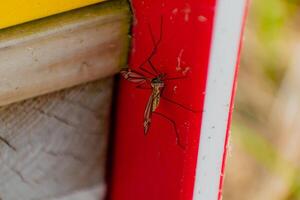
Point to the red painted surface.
(154, 167)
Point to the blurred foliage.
(272, 30)
(271, 15)
(268, 18)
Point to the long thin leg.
(152, 36)
(155, 46)
(175, 78)
(180, 105)
(153, 52)
(178, 140)
(176, 103)
(147, 71)
(153, 67)
(155, 43)
(160, 33)
(142, 67)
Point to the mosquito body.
(154, 80)
(157, 85)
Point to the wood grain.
(55, 145)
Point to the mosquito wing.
(133, 76)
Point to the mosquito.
(156, 81)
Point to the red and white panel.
(220, 87)
(202, 39)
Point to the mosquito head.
(159, 78)
(162, 76)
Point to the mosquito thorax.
(158, 85)
(158, 79)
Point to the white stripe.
(223, 57)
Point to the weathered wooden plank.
(55, 145)
(62, 51)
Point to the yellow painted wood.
(14, 12)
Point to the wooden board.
(55, 145)
(19, 11)
(62, 51)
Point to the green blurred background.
(264, 151)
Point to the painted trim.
(15, 12)
(228, 25)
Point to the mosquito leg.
(170, 77)
(153, 52)
(155, 44)
(156, 72)
(147, 71)
(178, 141)
(141, 66)
(175, 78)
(153, 67)
(178, 104)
